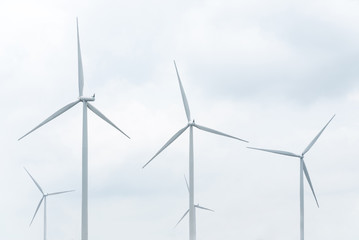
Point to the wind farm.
(272, 73)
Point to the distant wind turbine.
(191, 123)
(43, 199)
(86, 104)
(304, 169)
(195, 206)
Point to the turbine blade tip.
(150, 161)
(316, 201)
(241, 140)
(21, 137)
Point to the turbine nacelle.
(87, 99)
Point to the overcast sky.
(271, 72)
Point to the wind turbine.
(303, 169)
(191, 123)
(86, 104)
(195, 206)
(43, 199)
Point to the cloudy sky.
(272, 72)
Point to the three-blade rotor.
(81, 97)
(305, 170)
(44, 195)
(182, 130)
(196, 206)
(190, 122)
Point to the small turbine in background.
(195, 206)
(43, 199)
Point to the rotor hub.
(192, 123)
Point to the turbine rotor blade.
(277, 152)
(98, 113)
(182, 217)
(56, 114)
(310, 183)
(174, 137)
(198, 206)
(37, 209)
(217, 132)
(184, 98)
(33, 179)
(55, 193)
(186, 182)
(80, 69)
(316, 137)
